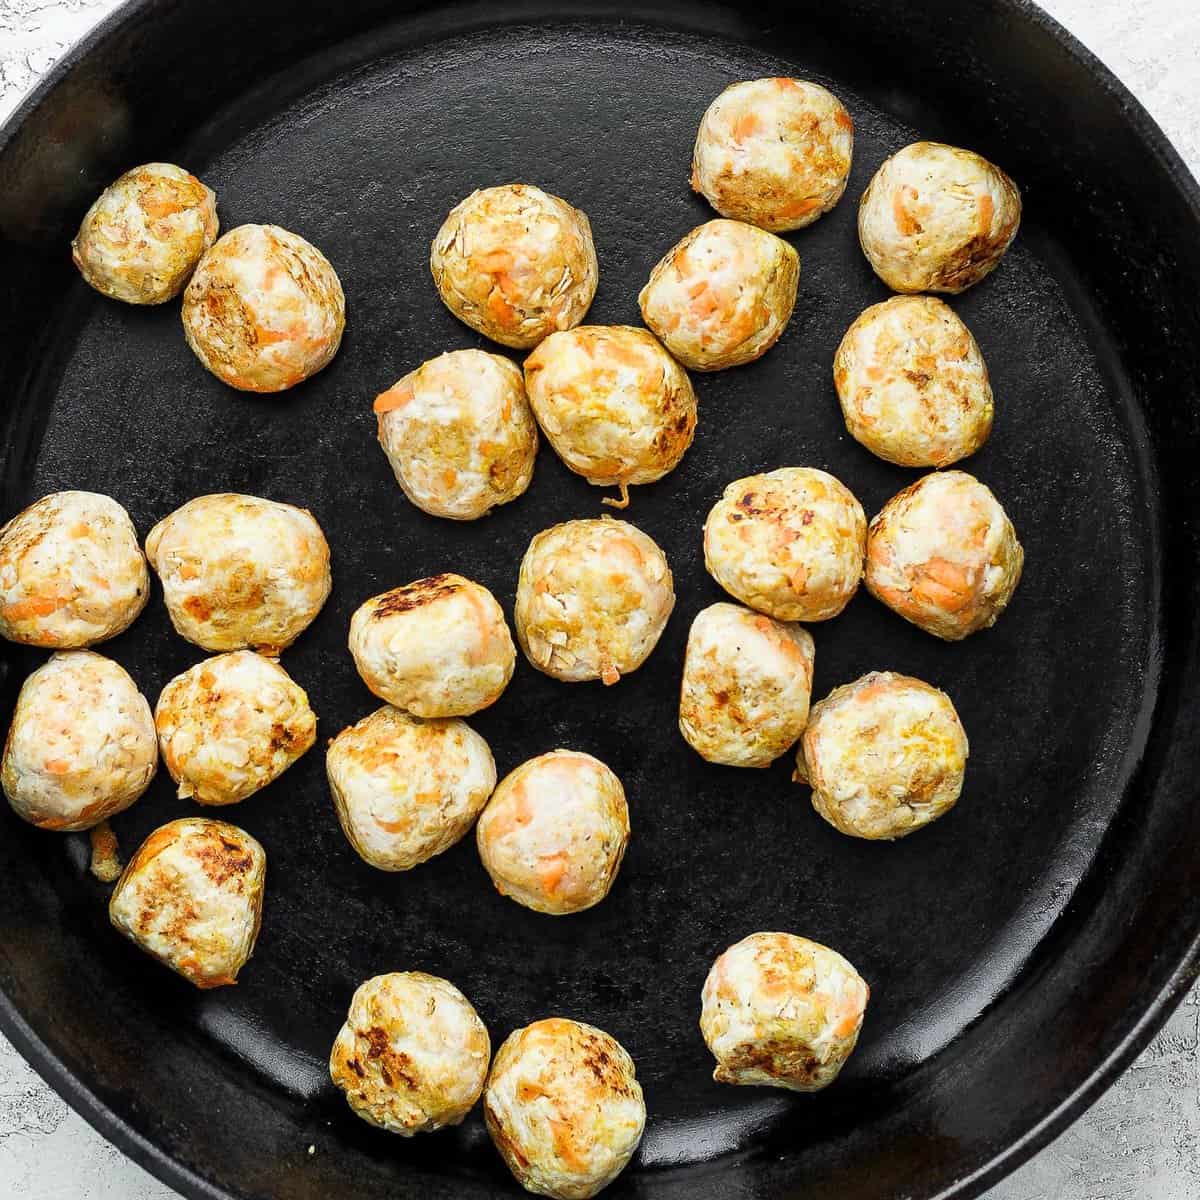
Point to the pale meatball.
(553, 835)
(944, 555)
(747, 680)
(81, 746)
(789, 543)
(515, 264)
(141, 240)
(459, 434)
(912, 383)
(438, 647)
(71, 572)
(592, 600)
(413, 1054)
(616, 407)
(230, 725)
(264, 310)
(241, 572)
(564, 1108)
(884, 756)
(774, 152)
(406, 789)
(781, 1011)
(723, 296)
(937, 219)
(192, 897)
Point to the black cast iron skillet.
(1020, 950)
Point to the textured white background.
(1141, 1141)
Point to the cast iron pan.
(1020, 951)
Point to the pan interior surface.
(363, 148)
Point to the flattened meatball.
(413, 1054)
(241, 572)
(71, 572)
(81, 747)
(788, 543)
(723, 296)
(781, 1011)
(459, 434)
(937, 219)
(592, 600)
(944, 555)
(515, 264)
(406, 789)
(141, 240)
(264, 310)
(439, 647)
(774, 152)
(192, 898)
(232, 724)
(564, 1108)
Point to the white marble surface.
(1141, 1141)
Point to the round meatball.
(241, 572)
(141, 240)
(71, 572)
(230, 725)
(553, 835)
(81, 746)
(781, 1011)
(459, 434)
(788, 543)
(937, 219)
(723, 296)
(264, 310)
(944, 555)
(884, 756)
(912, 383)
(439, 647)
(564, 1108)
(413, 1054)
(746, 685)
(774, 152)
(616, 407)
(515, 264)
(592, 600)
(192, 897)
(406, 789)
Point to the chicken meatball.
(616, 407)
(781, 1011)
(788, 543)
(241, 572)
(141, 240)
(192, 897)
(913, 386)
(944, 555)
(81, 746)
(515, 264)
(459, 434)
(553, 835)
(564, 1108)
(774, 152)
(264, 310)
(230, 725)
(746, 686)
(413, 1054)
(937, 219)
(406, 789)
(592, 600)
(723, 296)
(71, 572)
(884, 756)
(439, 647)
